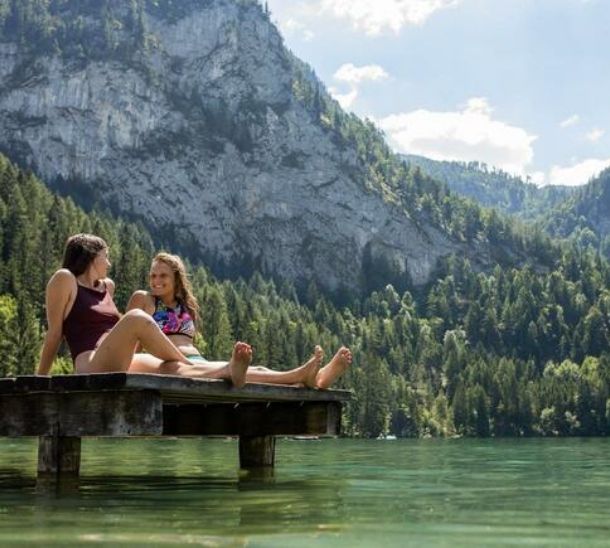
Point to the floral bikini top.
(174, 321)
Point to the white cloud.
(354, 75)
(292, 27)
(595, 135)
(464, 135)
(479, 105)
(374, 17)
(571, 121)
(577, 174)
(346, 100)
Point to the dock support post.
(257, 454)
(58, 457)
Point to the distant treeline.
(492, 187)
(511, 352)
(585, 216)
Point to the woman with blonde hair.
(81, 309)
(173, 307)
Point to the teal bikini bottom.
(196, 358)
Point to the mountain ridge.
(198, 121)
(584, 216)
(493, 187)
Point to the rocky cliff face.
(201, 135)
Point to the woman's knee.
(137, 317)
(135, 313)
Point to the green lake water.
(537, 492)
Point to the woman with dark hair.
(172, 305)
(80, 309)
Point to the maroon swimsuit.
(93, 314)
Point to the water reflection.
(177, 503)
(336, 492)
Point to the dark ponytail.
(81, 250)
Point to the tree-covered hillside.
(580, 214)
(492, 187)
(585, 216)
(510, 352)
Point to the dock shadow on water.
(336, 492)
(155, 492)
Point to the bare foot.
(334, 368)
(312, 366)
(238, 365)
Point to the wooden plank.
(253, 419)
(33, 383)
(333, 419)
(7, 385)
(58, 456)
(185, 398)
(256, 452)
(122, 413)
(28, 414)
(89, 382)
(129, 413)
(173, 387)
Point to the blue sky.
(522, 85)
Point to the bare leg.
(305, 374)
(147, 363)
(234, 370)
(334, 368)
(116, 351)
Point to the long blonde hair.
(183, 290)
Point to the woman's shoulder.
(62, 278)
(62, 286)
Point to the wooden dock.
(61, 410)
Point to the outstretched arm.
(60, 289)
(143, 301)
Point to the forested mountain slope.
(581, 214)
(492, 187)
(510, 352)
(585, 216)
(194, 118)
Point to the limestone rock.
(202, 138)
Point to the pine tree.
(27, 337)
(8, 341)
(216, 328)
